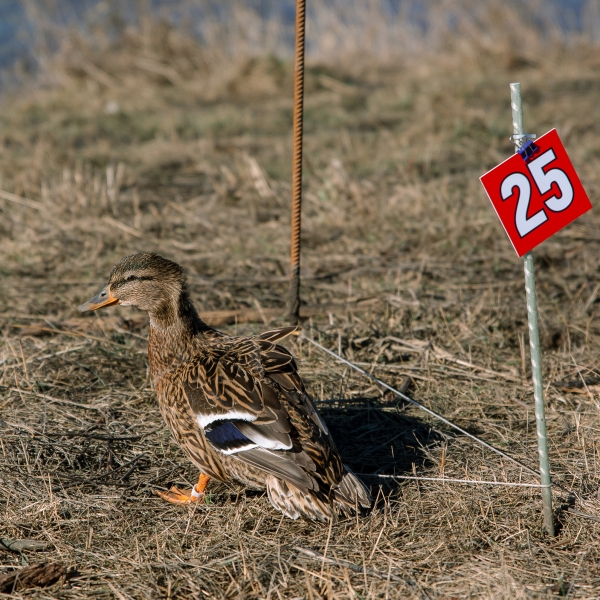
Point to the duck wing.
(277, 334)
(248, 398)
(280, 367)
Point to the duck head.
(146, 281)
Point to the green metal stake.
(534, 337)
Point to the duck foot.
(177, 496)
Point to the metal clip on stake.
(525, 146)
(527, 150)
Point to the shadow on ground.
(375, 438)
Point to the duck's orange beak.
(104, 298)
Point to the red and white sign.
(536, 198)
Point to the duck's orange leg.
(177, 496)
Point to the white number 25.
(543, 180)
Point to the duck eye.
(130, 277)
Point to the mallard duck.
(235, 405)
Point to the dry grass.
(153, 142)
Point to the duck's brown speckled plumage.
(235, 405)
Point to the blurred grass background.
(167, 127)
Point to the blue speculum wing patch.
(224, 435)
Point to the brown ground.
(194, 163)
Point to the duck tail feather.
(351, 492)
(293, 502)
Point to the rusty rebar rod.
(294, 301)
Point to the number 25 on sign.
(536, 196)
